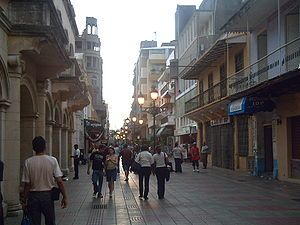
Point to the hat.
(194, 143)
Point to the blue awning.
(250, 105)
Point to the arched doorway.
(27, 124)
(49, 128)
(56, 137)
(64, 146)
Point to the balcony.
(168, 120)
(194, 52)
(276, 64)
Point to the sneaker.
(100, 195)
(94, 194)
(194, 170)
(198, 170)
(140, 196)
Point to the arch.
(71, 121)
(49, 107)
(94, 30)
(65, 119)
(4, 81)
(57, 114)
(26, 82)
(89, 29)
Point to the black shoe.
(126, 179)
(99, 195)
(75, 178)
(161, 197)
(146, 198)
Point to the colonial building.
(267, 91)
(40, 86)
(205, 57)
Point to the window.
(94, 62)
(78, 45)
(239, 61)
(89, 45)
(210, 87)
(88, 61)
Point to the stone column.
(56, 142)
(49, 136)
(41, 120)
(70, 150)
(12, 139)
(64, 151)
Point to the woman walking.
(111, 170)
(145, 159)
(195, 157)
(160, 163)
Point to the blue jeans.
(97, 179)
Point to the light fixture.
(154, 94)
(127, 120)
(141, 99)
(141, 121)
(126, 128)
(133, 119)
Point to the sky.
(122, 25)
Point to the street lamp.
(134, 119)
(141, 121)
(127, 120)
(153, 110)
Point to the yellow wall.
(215, 66)
(288, 106)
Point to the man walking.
(39, 176)
(178, 157)
(76, 156)
(204, 153)
(127, 157)
(97, 160)
(195, 157)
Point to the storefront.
(254, 124)
(220, 139)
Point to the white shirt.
(177, 152)
(76, 153)
(204, 149)
(159, 159)
(40, 171)
(145, 159)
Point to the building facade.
(40, 86)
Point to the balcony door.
(210, 88)
(223, 80)
(262, 51)
(292, 32)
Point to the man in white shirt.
(178, 158)
(145, 159)
(40, 174)
(76, 155)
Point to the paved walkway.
(213, 196)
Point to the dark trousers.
(97, 179)
(204, 160)
(1, 210)
(178, 165)
(195, 164)
(161, 178)
(39, 203)
(76, 164)
(144, 174)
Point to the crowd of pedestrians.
(43, 183)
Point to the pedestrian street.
(213, 196)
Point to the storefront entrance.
(268, 146)
(295, 145)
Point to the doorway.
(268, 145)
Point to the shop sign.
(250, 105)
(220, 121)
(93, 130)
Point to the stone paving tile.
(211, 197)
